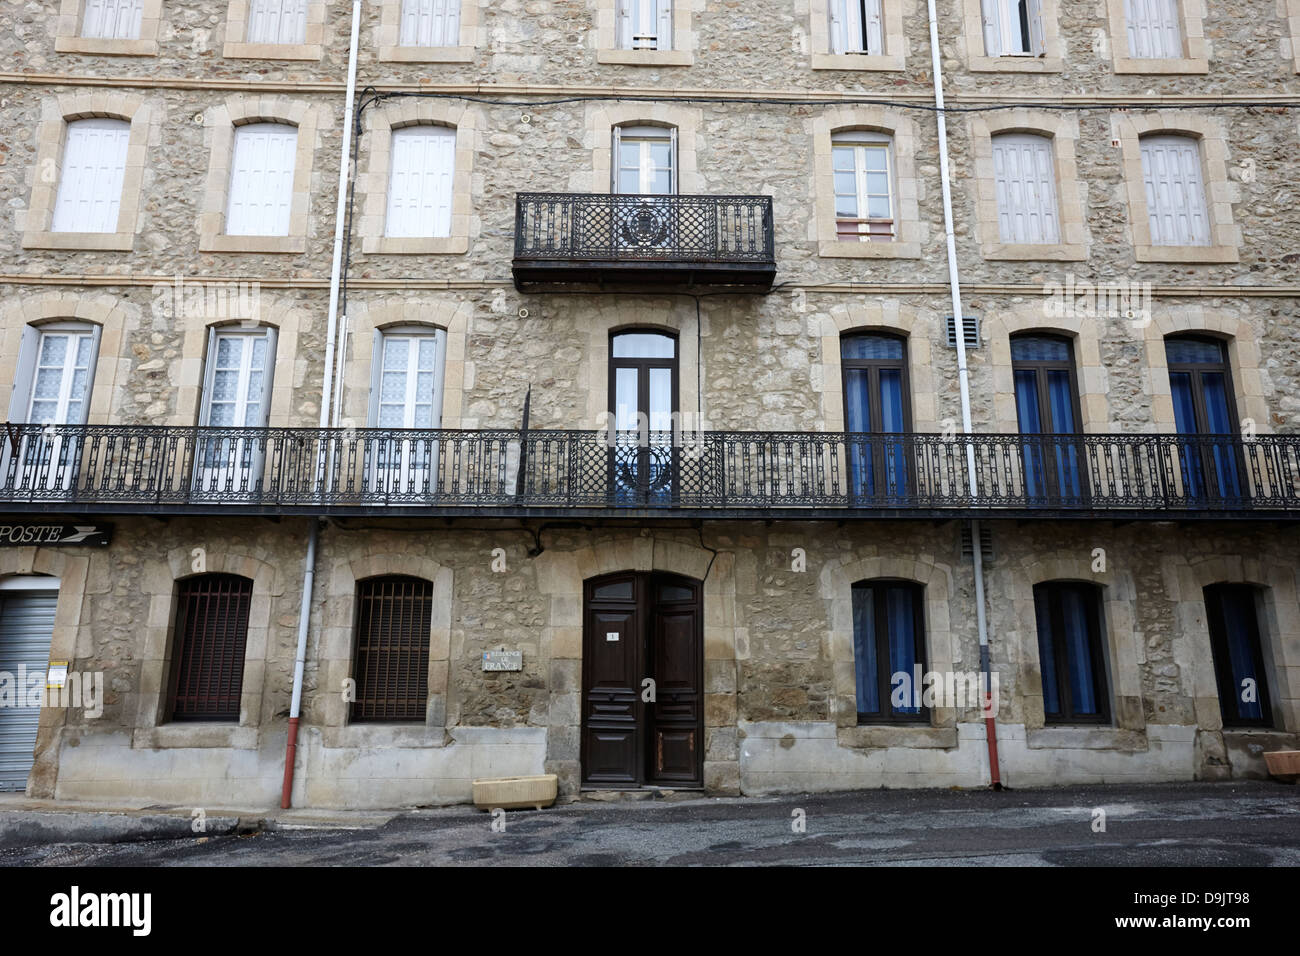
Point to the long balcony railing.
(579, 237)
(147, 469)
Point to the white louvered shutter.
(430, 23)
(1171, 174)
(836, 13)
(992, 27)
(1037, 43)
(261, 180)
(1153, 29)
(1026, 189)
(664, 9)
(623, 25)
(277, 21)
(112, 19)
(420, 182)
(875, 31)
(90, 185)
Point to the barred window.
(211, 635)
(391, 668)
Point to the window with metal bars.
(211, 634)
(391, 668)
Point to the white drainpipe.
(963, 377)
(327, 406)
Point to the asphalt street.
(1251, 823)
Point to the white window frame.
(857, 27)
(645, 25)
(399, 221)
(412, 333)
(83, 181)
(112, 19)
(860, 141)
(446, 14)
(1002, 34)
(264, 31)
(231, 466)
(645, 135)
(1154, 29)
(1044, 203)
(240, 222)
(247, 336)
(406, 465)
(23, 392)
(1186, 198)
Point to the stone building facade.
(752, 100)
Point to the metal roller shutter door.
(26, 623)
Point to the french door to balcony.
(61, 374)
(645, 167)
(407, 406)
(876, 409)
(1054, 468)
(643, 402)
(1210, 464)
(230, 450)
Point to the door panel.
(640, 626)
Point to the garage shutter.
(394, 615)
(211, 634)
(26, 623)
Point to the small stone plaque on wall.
(503, 660)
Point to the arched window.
(261, 180)
(391, 668)
(889, 650)
(645, 160)
(1238, 655)
(421, 172)
(1200, 382)
(643, 389)
(207, 673)
(92, 172)
(876, 403)
(1070, 653)
(1047, 403)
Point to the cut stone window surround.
(35, 224)
(893, 15)
(1225, 237)
(239, 110)
(388, 37)
(72, 15)
(236, 45)
(978, 61)
(1195, 58)
(683, 44)
(1063, 131)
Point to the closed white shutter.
(420, 182)
(277, 21)
(623, 26)
(664, 39)
(112, 19)
(1026, 189)
(1175, 191)
(992, 27)
(838, 15)
(261, 180)
(430, 23)
(1153, 29)
(90, 185)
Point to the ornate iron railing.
(142, 469)
(614, 228)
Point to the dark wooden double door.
(640, 628)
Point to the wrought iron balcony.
(656, 240)
(159, 469)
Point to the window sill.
(1044, 252)
(1186, 254)
(646, 57)
(103, 47)
(868, 250)
(1085, 738)
(271, 51)
(883, 62)
(287, 245)
(390, 246)
(1171, 65)
(96, 241)
(204, 735)
(883, 736)
(426, 54)
(1014, 64)
(384, 735)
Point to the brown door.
(641, 626)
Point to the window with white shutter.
(1153, 29)
(277, 21)
(862, 167)
(112, 19)
(856, 27)
(90, 185)
(261, 180)
(423, 165)
(1175, 191)
(428, 23)
(645, 24)
(1025, 175)
(1013, 27)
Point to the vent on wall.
(970, 325)
(986, 542)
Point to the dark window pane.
(1070, 654)
(1238, 655)
(888, 644)
(871, 347)
(1039, 348)
(675, 592)
(615, 591)
(864, 650)
(1182, 351)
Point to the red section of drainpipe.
(289, 754)
(991, 733)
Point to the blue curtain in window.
(902, 642)
(1078, 652)
(1219, 422)
(864, 650)
(1239, 627)
(858, 397)
(1047, 657)
(1068, 480)
(1185, 421)
(1031, 423)
(891, 421)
